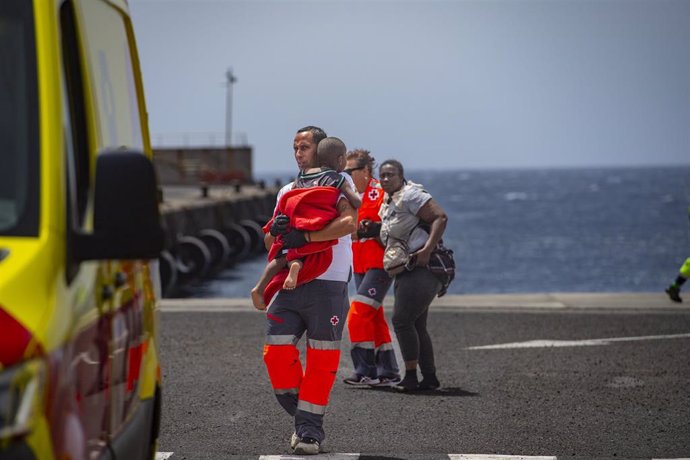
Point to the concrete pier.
(210, 227)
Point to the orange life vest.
(368, 253)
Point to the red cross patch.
(335, 320)
(373, 194)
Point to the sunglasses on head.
(349, 170)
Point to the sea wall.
(208, 228)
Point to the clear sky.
(435, 84)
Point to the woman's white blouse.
(399, 214)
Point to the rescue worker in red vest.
(318, 308)
(372, 351)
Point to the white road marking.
(496, 457)
(576, 343)
(166, 455)
(315, 457)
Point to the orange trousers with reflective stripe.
(283, 366)
(366, 324)
(285, 371)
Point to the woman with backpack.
(412, 224)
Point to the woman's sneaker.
(361, 381)
(386, 382)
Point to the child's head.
(330, 153)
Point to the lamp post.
(228, 107)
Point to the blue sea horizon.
(608, 229)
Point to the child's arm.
(345, 223)
(350, 194)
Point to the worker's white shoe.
(306, 446)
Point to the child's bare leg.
(293, 274)
(257, 293)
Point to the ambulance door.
(113, 85)
(89, 353)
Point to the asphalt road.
(585, 397)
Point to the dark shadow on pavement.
(444, 391)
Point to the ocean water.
(567, 230)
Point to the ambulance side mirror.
(126, 221)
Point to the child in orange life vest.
(331, 159)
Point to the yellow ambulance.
(79, 230)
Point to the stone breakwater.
(210, 228)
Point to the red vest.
(368, 253)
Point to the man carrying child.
(318, 307)
(331, 160)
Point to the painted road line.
(576, 343)
(338, 456)
(315, 457)
(496, 457)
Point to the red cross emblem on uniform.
(335, 320)
(373, 194)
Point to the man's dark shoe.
(674, 293)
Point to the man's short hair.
(317, 133)
(329, 152)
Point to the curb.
(624, 301)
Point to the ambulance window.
(77, 140)
(19, 141)
(109, 59)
